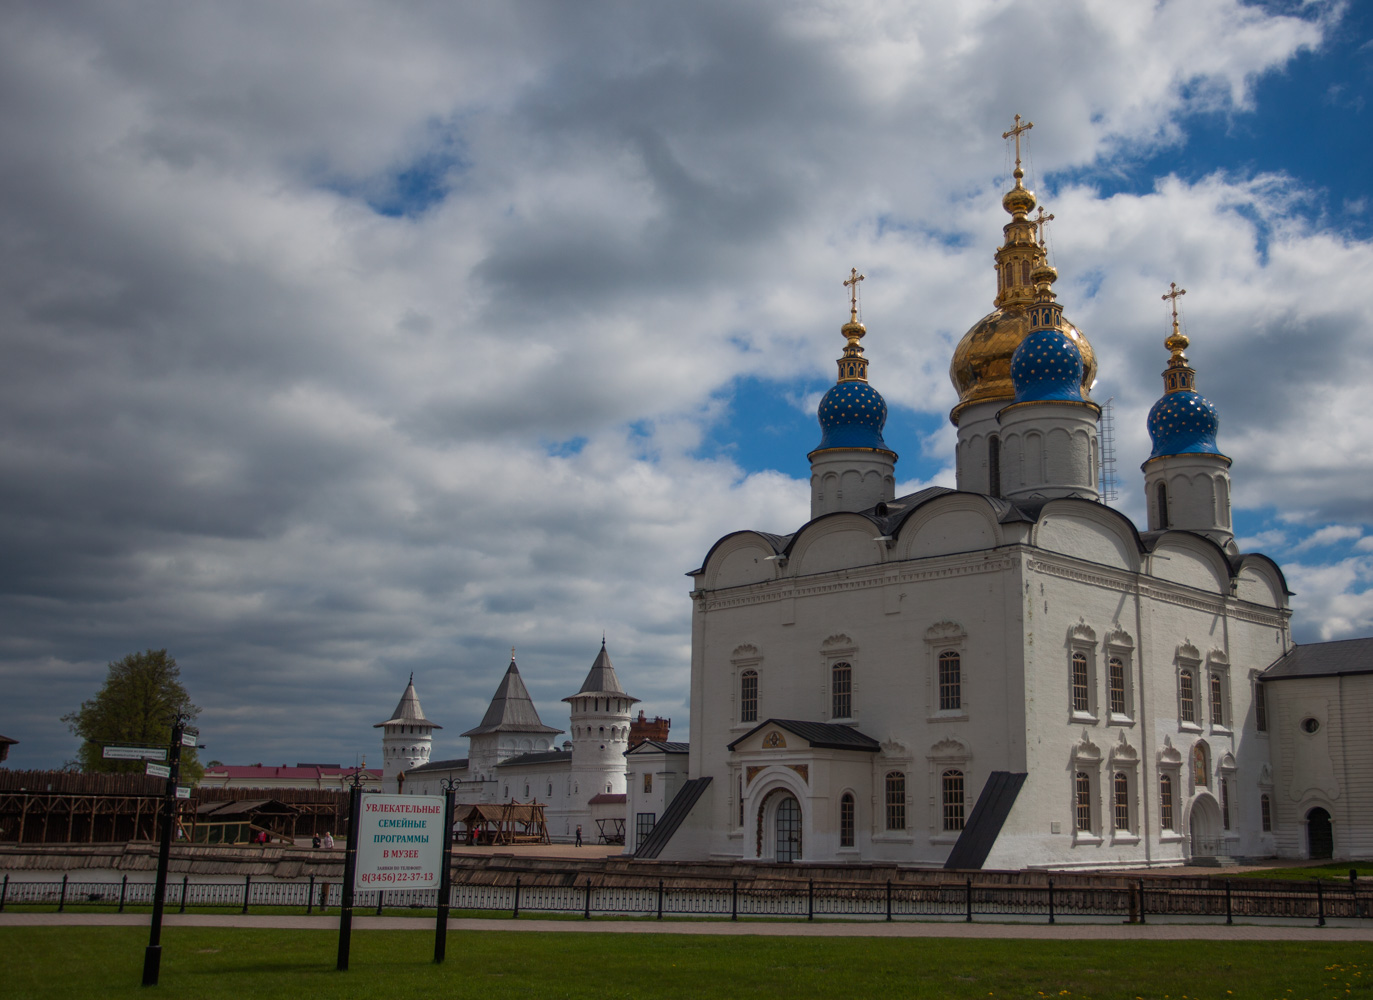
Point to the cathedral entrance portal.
(1205, 825)
(1320, 836)
(788, 829)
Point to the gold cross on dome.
(1173, 293)
(1041, 223)
(1016, 132)
(851, 283)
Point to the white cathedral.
(1010, 673)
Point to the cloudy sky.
(347, 340)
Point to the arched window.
(950, 681)
(748, 696)
(846, 820)
(1117, 671)
(1225, 803)
(896, 800)
(1217, 699)
(1081, 699)
(1082, 790)
(1024, 272)
(841, 691)
(1165, 801)
(952, 788)
(1121, 787)
(1266, 810)
(1161, 493)
(994, 466)
(1187, 696)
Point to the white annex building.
(513, 756)
(1010, 673)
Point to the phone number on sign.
(369, 878)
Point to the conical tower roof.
(511, 709)
(408, 711)
(601, 679)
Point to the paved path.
(1337, 931)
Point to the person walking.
(579, 835)
(328, 841)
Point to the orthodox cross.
(851, 283)
(1016, 132)
(1042, 222)
(1173, 293)
(512, 654)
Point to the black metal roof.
(677, 811)
(986, 820)
(511, 709)
(542, 757)
(457, 764)
(1324, 659)
(659, 746)
(820, 735)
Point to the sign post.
(182, 734)
(445, 873)
(350, 864)
(395, 841)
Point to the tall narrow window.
(1260, 708)
(841, 689)
(1225, 803)
(748, 696)
(846, 820)
(1081, 700)
(1082, 785)
(1121, 785)
(1217, 699)
(953, 800)
(1165, 801)
(1187, 696)
(1117, 686)
(1266, 810)
(1162, 495)
(896, 801)
(741, 800)
(994, 466)
(950, 681)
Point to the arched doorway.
(788, 829)
(1320, 835)
(1205, 828)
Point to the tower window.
(841, 691)
(748, 696)
(994, 466)
(1161, 494)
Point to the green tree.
(137, 703)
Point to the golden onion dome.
(981, 365)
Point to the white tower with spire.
(510, 727)
(852, 468)
(600, 715)
(407, 738)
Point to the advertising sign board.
(183, 791)
(400, 842)
(158, 770)
(134, 753)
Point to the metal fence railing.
(965, 899)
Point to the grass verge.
(213, 963)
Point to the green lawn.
(210, 963)
(1338, 872)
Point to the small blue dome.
(1183, 423)
(852, 415)
(1047, 366)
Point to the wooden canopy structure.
(505, 823)
(240, 821)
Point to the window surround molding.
(1218, 665)
(1170, 763)
(894, 756)
(1125, 760)
(942, 637)
(744, 658)
(835, 650)
(1120, 646)
(1086, 758)
(947, 754)
(1188, 657)
(1082, 639)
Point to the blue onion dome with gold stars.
(853, 413)
(1047, 366)
(1183, 422)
